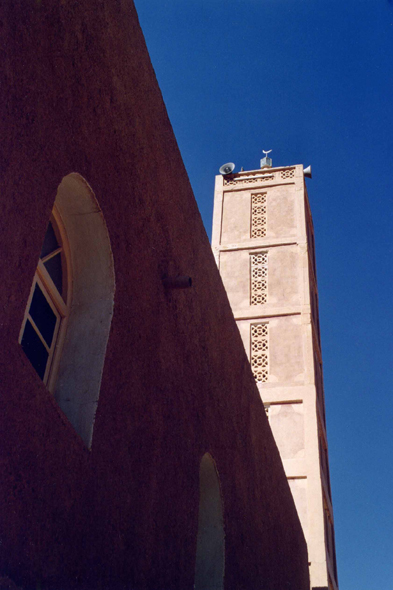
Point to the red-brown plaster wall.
(82, 97)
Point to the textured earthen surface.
(78, 94)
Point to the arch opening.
(69, 312)
(210, 553)
(80, 366)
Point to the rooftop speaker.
(227, 168)
(307, 172)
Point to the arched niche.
(210, 554)
(77, 379)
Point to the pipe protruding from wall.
(181, 282)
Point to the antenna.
(227, 168)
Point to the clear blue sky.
(312, 80)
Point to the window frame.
(58, 302)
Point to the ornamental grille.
(248, 180)
(319, 383)
(324, 459)
(258, 216)
(287, 173)
(314, 311)
(259, 352)
(311, 242)
(258, 278)
(329, 536)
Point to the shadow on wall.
(210, 554)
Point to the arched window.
(210, 554)
(47, 308)
(68, 316)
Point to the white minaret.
(263, 242)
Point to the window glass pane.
(43, 315)
(34, 349)
(50, 242)
(53, 266)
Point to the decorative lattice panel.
(258, 278)
(288, 173)
(259, 352)
(248, 179)
(258, 216)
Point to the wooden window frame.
(58, 302)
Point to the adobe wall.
(82, 97)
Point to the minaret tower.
(263, 241)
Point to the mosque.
(136, 450)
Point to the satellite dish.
(227, 168)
